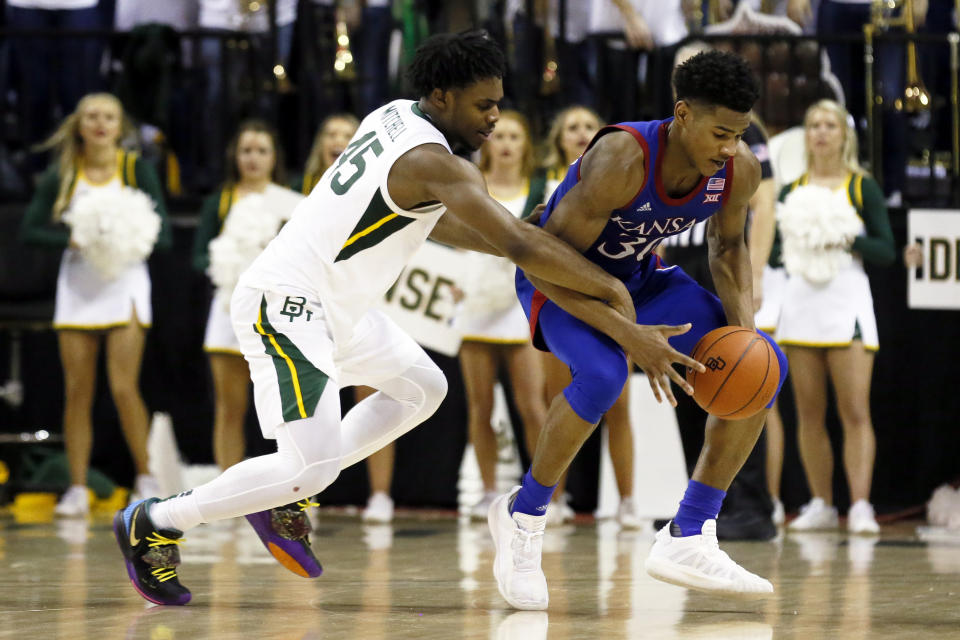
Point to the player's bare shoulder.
(415, 174)
(613, 167)
(746, 173)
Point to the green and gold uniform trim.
(376, 224)
(99, 327)
(126, 168)
(227, 198)
(825, 345)
(301, 384)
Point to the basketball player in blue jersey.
(637, 183)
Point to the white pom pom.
(817, 226)
(491, 285)
(113, 229)
(250, 226)
(943, 505)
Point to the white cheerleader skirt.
(774, 286)
(506, 326)
(829, 315)
(220, 336)
(85, 301)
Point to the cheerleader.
(831, 221)
(495, 330)
(97, 305)
(332, 138)
(252, 188)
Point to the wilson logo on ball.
(715, 364)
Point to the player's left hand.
(647, 346)
(534, 217)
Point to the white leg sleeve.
(400, 404)
(306, 462)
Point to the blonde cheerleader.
(831, 221)
(104, 207)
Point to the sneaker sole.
(513, 602)
(286, 560)
(120, 534)
(668, 572)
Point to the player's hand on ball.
(647, 346)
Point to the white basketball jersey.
(348, 242)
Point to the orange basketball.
(742, 373)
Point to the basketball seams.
(743, 354)
(696, 351)
(763, 382)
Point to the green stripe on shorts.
(301, 384)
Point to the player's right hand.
(647, 346)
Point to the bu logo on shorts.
(715, 364)
(293, 307)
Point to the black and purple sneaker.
(285, 532)
(151, 554)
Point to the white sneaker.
(627, 514)
(815, 515)
(518, 540)
(75, 503)
(696, 562)
(379, 508)
(861, 520)
(559, 511)
(479, 511)
(145, 486)
(778, 515)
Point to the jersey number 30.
(354, 154)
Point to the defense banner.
(936, 283)
(422, 299)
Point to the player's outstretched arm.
(729, 256)
(646, 345)
(459, 185)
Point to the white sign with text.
(936, 283)
(422, 299)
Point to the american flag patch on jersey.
(716, 184)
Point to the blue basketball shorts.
(597, 364)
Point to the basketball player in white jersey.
(305, 319)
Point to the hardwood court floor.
(429, 576)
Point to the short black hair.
(455, 60)
(717, 78)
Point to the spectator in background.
(631, 30)
(92, 310)
(57, 67)
(846, 18)
(254, 168)
(231, 90)
(571, 132)
(537, 42)
(332, 138)
(827, 323)
(495, 331)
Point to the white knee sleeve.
(306, 462)
(400, 404)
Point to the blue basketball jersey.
(625, 246)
